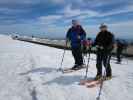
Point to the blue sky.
(53, 17)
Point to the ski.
(91, 83)
(70, 70)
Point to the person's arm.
(112, 42)
(83, 34)
(68, 36)
(96, 40)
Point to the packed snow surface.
(28, 72)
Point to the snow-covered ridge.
(128, 52)
(28, 72)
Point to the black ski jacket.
(105, 39)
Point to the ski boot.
(81, 66)
(108, 77)
(75, 67)
(98, 77)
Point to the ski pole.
(83, 59)
(60, 68)
(87, 67)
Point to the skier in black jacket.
(104, 43)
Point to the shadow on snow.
(42, 70)
(66, 80)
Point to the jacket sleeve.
(68, 34)
(96, 40)
(112, 41)
(83, 34)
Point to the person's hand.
(67, 43)
(84, 42)
(99, 47)
(78, 37)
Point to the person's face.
(74, 23)
(103, 29)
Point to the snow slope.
(28, 72)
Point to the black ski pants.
(77, 54)
(103, 58)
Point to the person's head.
(75, 23)
(103, 27)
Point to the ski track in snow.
(28, 72)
